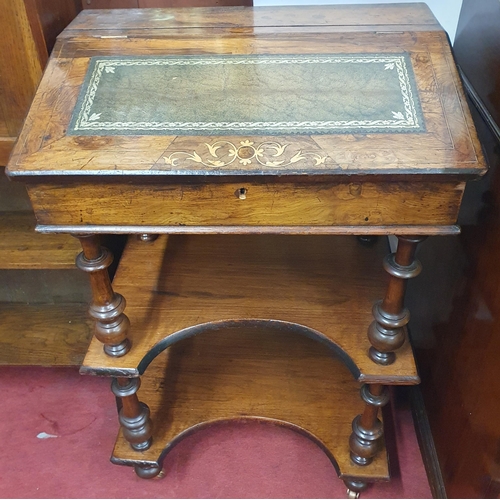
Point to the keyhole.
(241, 193)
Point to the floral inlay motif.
(225, 153)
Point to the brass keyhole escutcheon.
(241, 193)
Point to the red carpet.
(227, 461)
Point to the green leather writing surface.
(248, 95)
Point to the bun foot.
(148, 471)
(367, 240)
(355, 487)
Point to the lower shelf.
(249, 372)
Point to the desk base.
(245, 373)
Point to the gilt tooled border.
(85, 120)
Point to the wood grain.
(458, 355)
(448, 146)
(20, 55)
(6, 145)
(316, 230)
(29, 29)
(51, 335)
(270, 203)
(43, 286)
(339, 15)
(239, 374)
(315, 285)
(22, 248)
(111, 325)
(51, 17)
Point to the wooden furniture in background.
(457, 351)
(254, 183)
(43, 318)
(29, 29)
(39, 288)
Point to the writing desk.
(256, 142)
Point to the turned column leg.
(133, 414)
(367, 429)
(107, 307)
(387, 332)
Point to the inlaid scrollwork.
(223, 153)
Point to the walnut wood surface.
(449, 146)
(263, 204)
(387, 332)
(339, 15)
(111, 324)
(133, 415)
(22, 248)
(44, 334)
(353, 230)
(326, 284)
(247, 372)
(365, 440)
(44, 286)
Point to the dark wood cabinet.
(458, 347)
